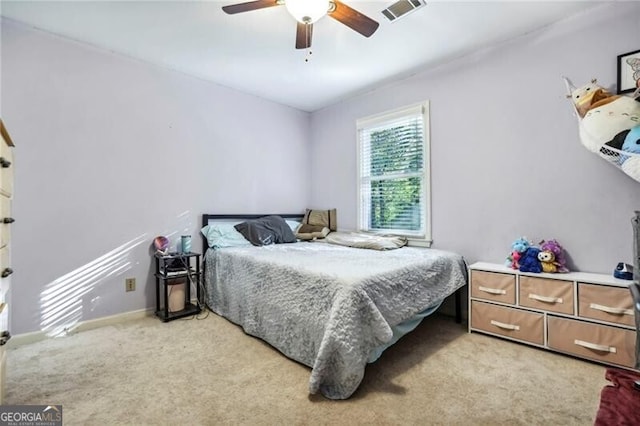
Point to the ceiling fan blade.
(249, 6)
(353, 19)
(303, 35)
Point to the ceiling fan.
(306, 12)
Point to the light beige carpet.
(208, 372)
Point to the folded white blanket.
(366, 241)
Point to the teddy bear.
(518, 247)
(558, 253)
(547, 261)
(529, 261)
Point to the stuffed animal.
(558, 252)
(513, 260)
(547, 261)
(601, 124)
(529, 261)
(605, 121)
(627, 140)
(590, 96)
(518, 247)
(615, 155)
(632, 140)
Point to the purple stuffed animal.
(555, 247)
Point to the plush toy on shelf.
(548, 261)
(529, 261)
(518, 247)
(558, 253)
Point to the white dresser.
(6, 219)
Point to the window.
(393, 173)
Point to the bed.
(330, 307)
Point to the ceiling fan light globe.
(307, 11)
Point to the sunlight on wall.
(174, 230)
(61, 302)
(185, 224)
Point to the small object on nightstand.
(161, 243)
(185, 242)
(623, 271)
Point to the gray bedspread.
(328, 306)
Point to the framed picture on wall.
(628, 72)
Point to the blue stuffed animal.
(529, 261)
(518, 247)
(627, 140)
(632, 140)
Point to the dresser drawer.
(508, 322)
(4, 259)
(605, 303)
(6, 169)
(547, 294)
(493, 286)
(5, 285)
(593, 341)
(5, 228)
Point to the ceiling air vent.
(402, 8)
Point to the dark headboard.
(207, 218)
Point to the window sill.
(415, 242)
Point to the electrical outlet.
(130, 284)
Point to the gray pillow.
(266, 230)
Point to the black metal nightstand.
(175, 272)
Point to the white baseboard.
(36, 336)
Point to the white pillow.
(224, 235)
(293, 224)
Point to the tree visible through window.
(393, 172)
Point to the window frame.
(380, 119)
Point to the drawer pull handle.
(546, 299)
(611, 310)
(2, 306)
(492, 290)
(4, 163)
(8, 220)
(505, 326)
(4, 337)
(6, 272)
(595, 346)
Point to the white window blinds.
(393, 172)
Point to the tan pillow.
(311, 232)
(322, 218)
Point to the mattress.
(327, 306)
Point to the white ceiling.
(254, 51)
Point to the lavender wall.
(111, 152)
(505, 154)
